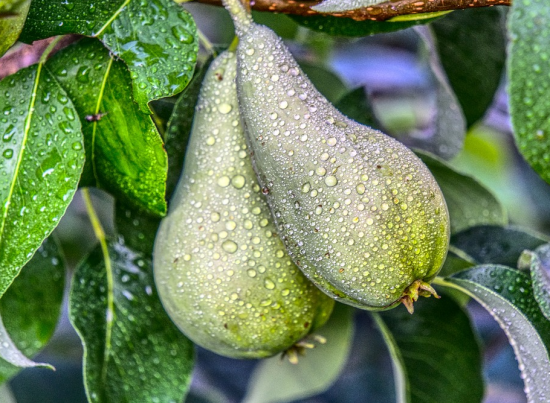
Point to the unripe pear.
(221, 272)
(359, 213)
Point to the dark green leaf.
(448, 129)
(31, 306)
(137, 228)
(436, 357)
(469, 202)
(133, 352)
(15, 12)
(40, 164)
(157, 39)
(472, 48)
(508, 296)
(540, 274)
(456, 261)
(347, 27)
(495, 244)
(179, 128)
(125, 155)
(326, 82)
(355, 105)
(280, 381)
(529, 81)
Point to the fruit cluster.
(279, 186)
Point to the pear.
(221, 272)
(358, 212)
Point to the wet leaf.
(529, 81)
(507, 295)
(125, 154)
(540, 274)
(30, 322)
(495, 244)
(133, 351)
(40, 164)
(15, 12)
(435, 353)
(157, 39)
(280, 381)
(474, 72)
(469, 202)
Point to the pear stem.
(417, 289)
(242, 18)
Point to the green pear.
(221, 271)
(359, 213)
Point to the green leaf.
(274, 380)
(508, 296)
(40, 164)
(448, 129)
(31, 321)
(495, 244)
(529, 81)
(435, 353)
(355, 105)
(456, 261)
(469, 202)
(347, 27)
(136, 227)
(474, 72)
(179, 128)
(326, 82)
(125, 155)
(15, 12)
(133, 351)
(540, 274)
(157, 39)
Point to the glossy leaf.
(474, 72)
(347, 27)
(156, 39)
(540, 274)
(179, 128)
(15, 12)
(445, 138)
(435, 354)
(469, 202)
(529, 81)
(41, 159)
(495, 244)
(355, 105)
(508, 296)
(137, 228)
(125, 155)
(456, 261)
(133, 352)
(280, 381)
(31, 322)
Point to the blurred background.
(393, 71)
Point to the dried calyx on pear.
(221, 272)
(358, 212)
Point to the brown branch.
(378, 12)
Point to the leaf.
(40, 164)
(31, 321)
(137, 228)
(337, 26)
(529, 81)
(11, 26)
(133, 351)
(179, 127)
(540, 274)
(495, 244)
(276, 380)
(326, 82)
(469, 202)
(435, 353)
(445, 138)
(474, 72)
(157, 39)
(456, 261)
(507, 295)
(125, 155)
(355, 105)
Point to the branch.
(378, 12)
